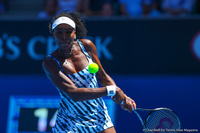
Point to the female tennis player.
(82, 109)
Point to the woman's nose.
(64, 36)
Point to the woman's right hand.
(126, 102)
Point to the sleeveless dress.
(89, 116)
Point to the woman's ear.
(75, 36)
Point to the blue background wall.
(154, 61)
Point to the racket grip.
(132, 109)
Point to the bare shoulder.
(88, 45)
(49, 64)
(86, 42)
(46, 62)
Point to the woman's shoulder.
(88, 44)
(50, 61)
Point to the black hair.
(45, 2)
(81, 30)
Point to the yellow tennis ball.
(93, 68)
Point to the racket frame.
(150, 112)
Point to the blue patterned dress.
(89, 116)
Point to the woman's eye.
(69, 32)
(59, 32)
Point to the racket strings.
(162, 119)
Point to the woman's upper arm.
(58, 78)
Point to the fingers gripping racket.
(160, 120)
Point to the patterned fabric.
(89, 116)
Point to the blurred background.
(151, 48)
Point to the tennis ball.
(93, 68)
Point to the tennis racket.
(160, 120)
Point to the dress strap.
(85, 52)
(56, 61)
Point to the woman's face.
(64, 36)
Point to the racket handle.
(133, 107)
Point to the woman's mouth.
(65, 44)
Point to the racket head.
(162, 119)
